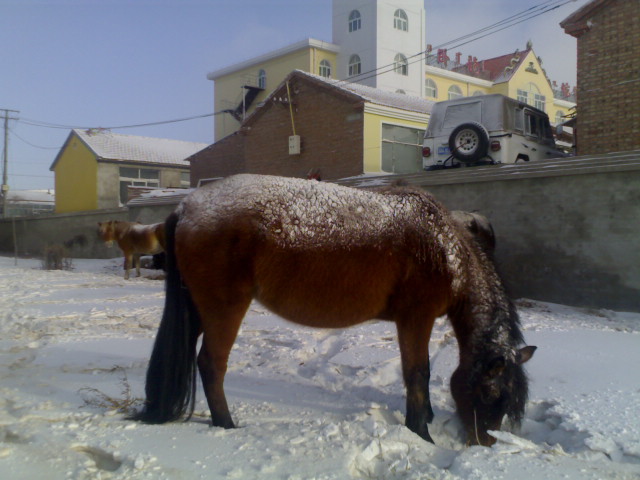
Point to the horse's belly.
(326, 289)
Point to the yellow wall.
(228, 93)
(372, 136)
(443, 84)
(76, 175)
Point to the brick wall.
(223, 158)
(330, 126)
(329, 122)
(608, 72)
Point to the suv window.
(532, 124)
(537, 126)
(457, 114)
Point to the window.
(539, 101)
(325, 69)
(401, 21)
(355, 67)
(430, 88)
(137, 177)
(457, 114)
(532, 125)
(530, 94)
(185, 179)
(401, 149)
(559, 117)
(400, 64)
(523, 96)
(477, 93)
(262, 79)
(354, 21)
(454, 92)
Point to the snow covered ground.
(310, 404)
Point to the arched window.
(430, 88)
(401, 65)
(355, 66)
(400, 20)
(530, 94)
(477, 93)
(262, 79)
(354, 21)
(454, 92)
(325, 69)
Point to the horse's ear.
(525, 354)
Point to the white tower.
(381, 33)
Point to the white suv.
(486, 129)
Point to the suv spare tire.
(469, 142)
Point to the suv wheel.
(469, 142)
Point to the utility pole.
(5, 158)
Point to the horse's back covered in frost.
(324, 255)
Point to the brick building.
(344, 130)
(608, 33)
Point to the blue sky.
(106, 63)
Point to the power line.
(29, 175)
(39, 123)
(523, 16)
(32, 144)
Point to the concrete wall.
(567, 231)
(78, 230)
(33, 234)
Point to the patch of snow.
(309, 403)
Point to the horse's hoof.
(226, 424)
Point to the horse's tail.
(171, 376)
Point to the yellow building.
(517, 75)
(240, 88)
(94, 168)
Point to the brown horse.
(133, 239)
(324, 255)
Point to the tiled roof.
(118, 147)
(495, 69)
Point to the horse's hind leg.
(220, 324)
(127, 265)
(413, 337)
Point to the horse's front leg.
(136, 260)
(413, 337)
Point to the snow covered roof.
(354, 90)
(375, 95)
(259, 60)
(579, 21)
(31, 196)
(160, 196)
(132, 148)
